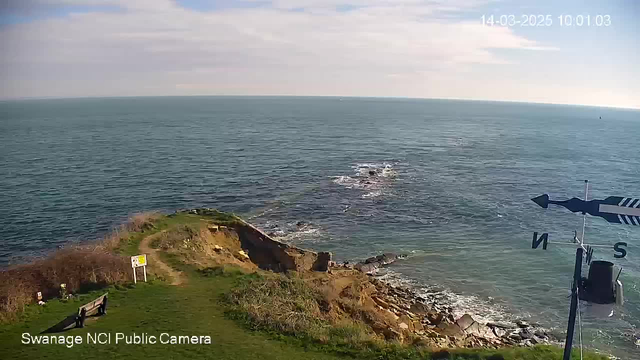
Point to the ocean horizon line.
(511, 102)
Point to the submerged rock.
(370, 265)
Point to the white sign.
(136, 262)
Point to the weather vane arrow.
(614, 209)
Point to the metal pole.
(577, 275)
(584, 215)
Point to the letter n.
(536, 241)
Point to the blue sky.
(404, 48)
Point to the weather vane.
(600, 287)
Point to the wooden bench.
(97, 306)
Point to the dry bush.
(142, 221)
(290, 305)
(115, 237)
(279, 303)
(177, 237)
(136, 223)
(80, 267)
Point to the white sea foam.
(371, 177)
(347, 181)
(389, 172)
(293, 232)
(261, 213)
(372, 194)
(362, 183)
(482, 310)
(381, 169)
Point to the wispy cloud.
(153, 47)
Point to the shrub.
(175, 237)
(136, 223)
(278, 303)
(79, 267)
(293, 306)
(142, 221)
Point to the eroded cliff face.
(262, 250)
(270, 254)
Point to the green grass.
(153, 308)
(130, 245)
(219, 217)
(195, 308)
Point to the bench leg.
(80, 319)
(102, 310)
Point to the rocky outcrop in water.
(372, 264)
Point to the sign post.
(136, 262)
(614, 209)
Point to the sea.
(446, 182)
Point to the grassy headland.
(248, 313)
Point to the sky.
(380, 48)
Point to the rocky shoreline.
(430, 319)
(395, 312)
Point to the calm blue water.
(452, 186)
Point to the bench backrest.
(93, 305)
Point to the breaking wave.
(375, 169)
(372, 194)
(482, 310)
(293, 232)
(374, 178)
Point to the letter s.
(26, 338)
(617, 248)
